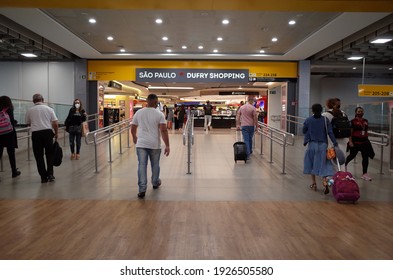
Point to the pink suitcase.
(345, 187)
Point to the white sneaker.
(366, 177)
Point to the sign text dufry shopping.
(375, 90)
(191, 75)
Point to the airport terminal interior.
(208, 207)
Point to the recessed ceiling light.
(28, 54)
(381, 41)
(292, 22)
(165, 38)
(355, 58)
(109, 38)
(92, 20)
(354, 68)
(200, 47)
(158, 21)
(225, 21)
(390, 69)
(122, 50)
(184, 47)
(262, 51)
(215, 51)
(274, 39)
(219, 39)
(169, 50)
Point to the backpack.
(5, 122)
(341, 125)
(57, 154)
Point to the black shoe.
(16, 174)
(44, 180)
(141, 195)
(159, 184)
(51, 178)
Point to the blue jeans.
(248, 134)
(143, 155)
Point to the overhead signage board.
(165, 75)
(375, 90)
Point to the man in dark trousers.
(44, 126)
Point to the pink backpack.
(5, 122)
(345, 187)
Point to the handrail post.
(271, 146)
(120, 132)
(110, 146)
(28, 144)
(261, 151)
(381, 166)
(283, 153)
(128, 136)
(95, 152)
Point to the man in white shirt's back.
(148, 124)
(43, 123)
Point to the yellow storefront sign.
(375, 90)
(126, 69)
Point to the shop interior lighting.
(200, 47)
(292, 22)
(109, 38)
(180, 88)
(274, 39)
(219, 39)
(215, 51)
(158, 21)
(28, 55)
(92, 20)
(184, 47)
(225, 21)
(165, 38)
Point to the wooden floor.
(221, 210)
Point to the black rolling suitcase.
(240, 150)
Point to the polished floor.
(222, 210)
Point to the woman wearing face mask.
(358, 141)
(76, 117)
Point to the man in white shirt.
(148, 124)
(44, 126)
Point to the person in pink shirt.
(246, 121)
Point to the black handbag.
(57, 154)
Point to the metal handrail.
(278, 136)
(188, 134)
(106, 134)
(384, 142)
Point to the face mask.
(77, 105)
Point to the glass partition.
(21, 107)
(376, 113)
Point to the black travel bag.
(240, 150)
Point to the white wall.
(344, 88)
(274, 107)
(54, 80)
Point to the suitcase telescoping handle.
(338, 163)
(239, 136)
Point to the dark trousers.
(75, 137)
(43, 143)
(11, 157)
